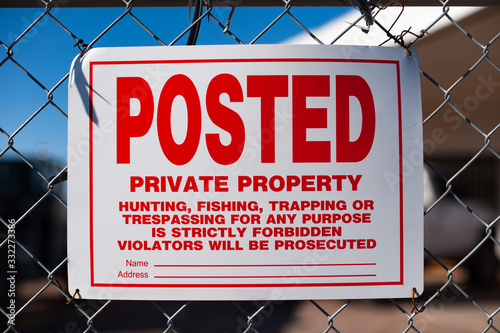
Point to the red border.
(244, 285)
(91, 174)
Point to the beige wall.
(446, 56)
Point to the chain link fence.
(459, 56)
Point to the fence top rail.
(235, 3)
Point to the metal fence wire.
(459, 56)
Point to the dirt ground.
(451, 312)
(375, 317)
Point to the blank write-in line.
(271, 265)
(261, 276)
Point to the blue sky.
(47, 50)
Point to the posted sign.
(245, 172)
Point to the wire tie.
(77, 291)
(61, 287)
(415, 300)
(81, 46)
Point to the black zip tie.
(401, 43)
(419, 297)
(399, 40)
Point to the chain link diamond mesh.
(460, 67)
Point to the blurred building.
(457, 70)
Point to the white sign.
(245, 172)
